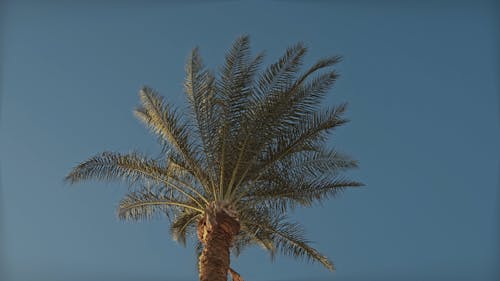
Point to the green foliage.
(253, 139)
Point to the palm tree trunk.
(216, 231)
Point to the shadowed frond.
(307, 135)
(282, 193)
(271, 81)
(250, 217)
(314, 163)
(183, 225)
(281, 111)
(320, 64)
(235, 88)
(251, 234)
(286, 237)
(290, 241)
(284, 101)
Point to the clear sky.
(421, 78)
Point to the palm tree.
(251, 148)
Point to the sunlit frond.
(200, 89)
(134, 169)
(148, 202)
(115, 166)
(167, 123)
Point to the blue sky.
(421, 79)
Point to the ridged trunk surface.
(216, 231)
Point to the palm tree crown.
(253, 145)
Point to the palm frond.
(234, 90)
(282, 193)
(290, 240)
(281, 98)
(183, 225)
(315, 163)
(286, 237)
(200, 89)
(148, 202)
(166, 122)
(320, 64)
(270, 93)
(135, 169)
(240, 243)
(307, 135)
(283, 109)
(251, 234)
(236, 81)
(271, 81)
(301, 103)
(115, 166)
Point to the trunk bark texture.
(216, 231)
